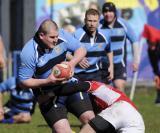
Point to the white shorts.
(124, 117)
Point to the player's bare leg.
(120, 84)
(86, 116)
(62, 126)
(157, 85)
(87, 129)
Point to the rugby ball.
(62, 70)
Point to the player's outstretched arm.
(73, 87)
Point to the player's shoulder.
(122, 22)
(79, 31)
(64, 35)
(29, 49)
(29, 46)
(68, 37)
(105, 33)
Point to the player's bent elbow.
(24, 84)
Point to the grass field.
(144, 99)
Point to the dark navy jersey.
(119, 34)
(96, 47)
(38, 62)
(21, 100)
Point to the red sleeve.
(150, 33)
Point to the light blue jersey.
(96, 47)
(21, 100)
(38, 62)
(119, 34)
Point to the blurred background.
(19, 20)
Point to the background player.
(153, 40)
(97, 43)
(20, 106)
(120, 32)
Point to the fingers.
(60, 79)
(84, 63)
(135, 67)
(64, 82)
(72, 68)
(110, 73)
(110, 77)
(65, 62)
(71, 74)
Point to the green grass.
(144, 100)
(151, 113)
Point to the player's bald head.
(46, 26)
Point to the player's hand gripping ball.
(62, 71)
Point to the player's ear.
(41, 35)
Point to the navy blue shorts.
(76, 103)
(120, 71)
(57, 108)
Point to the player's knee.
(61, 126)
(86, 116)
(120, 84)
(100, 125)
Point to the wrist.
(72, 63)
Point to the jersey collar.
(40, 43)
(88, 33)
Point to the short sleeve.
(28, 62)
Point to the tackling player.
(117, 113)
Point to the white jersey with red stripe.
(117, 108)
(106, 95)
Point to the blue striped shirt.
(119, 34)
(21, 100)
(96, 47)
(38, 62)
